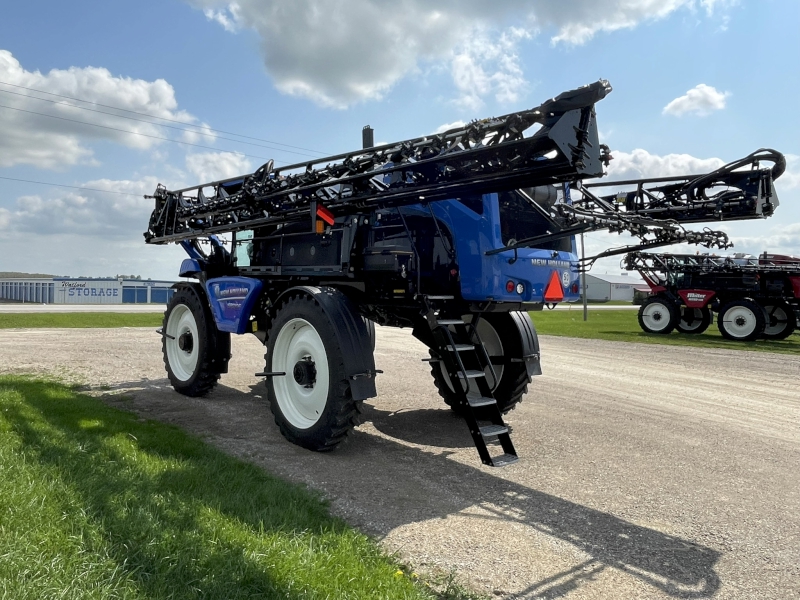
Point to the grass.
(95, 503)
(606, 324)
(622, 326)
(79, 320)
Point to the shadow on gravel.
(673, 565)
(431, 427)
(428, 486)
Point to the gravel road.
(646, 471)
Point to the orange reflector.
(320, 226)
(324, 214)
(554, 292)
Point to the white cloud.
(712, 5)
(87, 232)
(56, 143)
(201, 133)
(87, 212)
(228, 17)
(781, 239)
(641, 164)
(790, 180)
(701, 100)
(340, 52)
(482, 68)
(449, 126)
(214, 166)
(579, 21)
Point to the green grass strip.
(623, 326)
(79, 320)
(95, 503)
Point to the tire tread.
(515, 375)
(348, 412)
(756, 309)
(206, 378)
(672, 309)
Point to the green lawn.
(95, 503)
(606, 324)
(622, 326)
(81, 320)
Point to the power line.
(156, 117)
(74, 187)
(128, 131)
(103, 112)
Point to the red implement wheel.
(741, 320)
(693, 320)
(781, 321)
(658, 315)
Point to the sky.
(101, 101)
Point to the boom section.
(489, 155)
(660, 268)
(655, 210)
(742, 189)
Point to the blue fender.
(231, 300)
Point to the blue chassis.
(483, 278)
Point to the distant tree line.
(19, 275)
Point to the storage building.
(603, 288)
(66, 290)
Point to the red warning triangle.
(324, 214)
(554, 292)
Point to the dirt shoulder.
(646, 471)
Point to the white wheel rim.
(301, 405)
(181, 323)
(656, 316)
(494, 347)
(697, 320)
(739, 321)
(780, 317)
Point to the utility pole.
(583, 280)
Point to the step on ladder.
(461, 351)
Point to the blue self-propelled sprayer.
(456, 235)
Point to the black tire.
(370, 331)
(741, 320)
(693, 321)
(658, 315)
(513, 376)
(192, 347)
(312, 404)
(781, 320)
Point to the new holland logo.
(235, 292)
